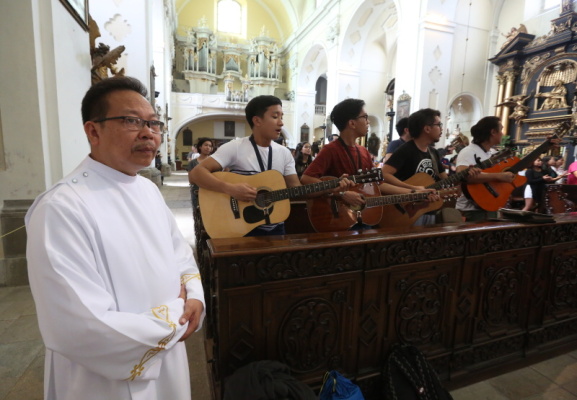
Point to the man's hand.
(433, 194)
(507, 177)
(241, 191)
(353, 198)
(473, 171)
(192, 311)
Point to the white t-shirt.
(239, 157)
(467, 158)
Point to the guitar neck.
(395, 199)
(461, 176)
(300, 191)
(527, 161)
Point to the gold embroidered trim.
(163, 314)
(188, 277)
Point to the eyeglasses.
(136, 124)
(439, 124)
(366, 117)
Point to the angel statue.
(104, 59)
(517, 101)
(513, 33)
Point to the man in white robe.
(115, 283)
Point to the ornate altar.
(537, 79)
(244, 69)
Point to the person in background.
(192, 154)
(548, 166)
(303, 157)
(537, 178)
(402, 128)
(572, 173)
(560, 169)
(115, 283)
(205, 147)
(487, 133)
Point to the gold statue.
(556, 98)
(513, 33)
(517, 101)
(103, 59)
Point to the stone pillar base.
(13, 266)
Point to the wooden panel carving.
(504, 280)
(312, 323)
(472, 298)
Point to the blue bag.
(337, 387)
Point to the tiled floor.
(22, 352)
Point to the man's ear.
(92, 132)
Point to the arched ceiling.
(284, 16)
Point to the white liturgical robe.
(105, 262)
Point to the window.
(548, 4)
(229, 17)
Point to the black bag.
(408, 375)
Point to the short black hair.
(345, 111)
(401, 125)
(481, 131)
(202, 140)
(258, 106)
(419, 119)
(95, 103)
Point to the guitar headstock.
(371, 175)
(502, 155)
(561, 130)
(448, 193)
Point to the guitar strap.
(435, 159)
(259, 158)
(357, 166)
(261, 164)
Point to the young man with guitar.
(343, 156)
(418, 156)
(249, 156)
(486, 133)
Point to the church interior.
(492, 307)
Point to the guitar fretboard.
(395, 199)
(461, 176)
(303, 190)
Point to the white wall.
(44, 77)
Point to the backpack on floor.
(337, 387)
(409, 376)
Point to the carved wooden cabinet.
(471, 297)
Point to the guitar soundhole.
(263, 199)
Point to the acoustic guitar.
(330, 214)
(491, 196)
(405, 214)
(224, 216)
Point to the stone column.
(13, 267)
(510, 79)
(500, 92)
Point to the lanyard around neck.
(357, 166)
(259, 158)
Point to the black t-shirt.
(409, 160)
